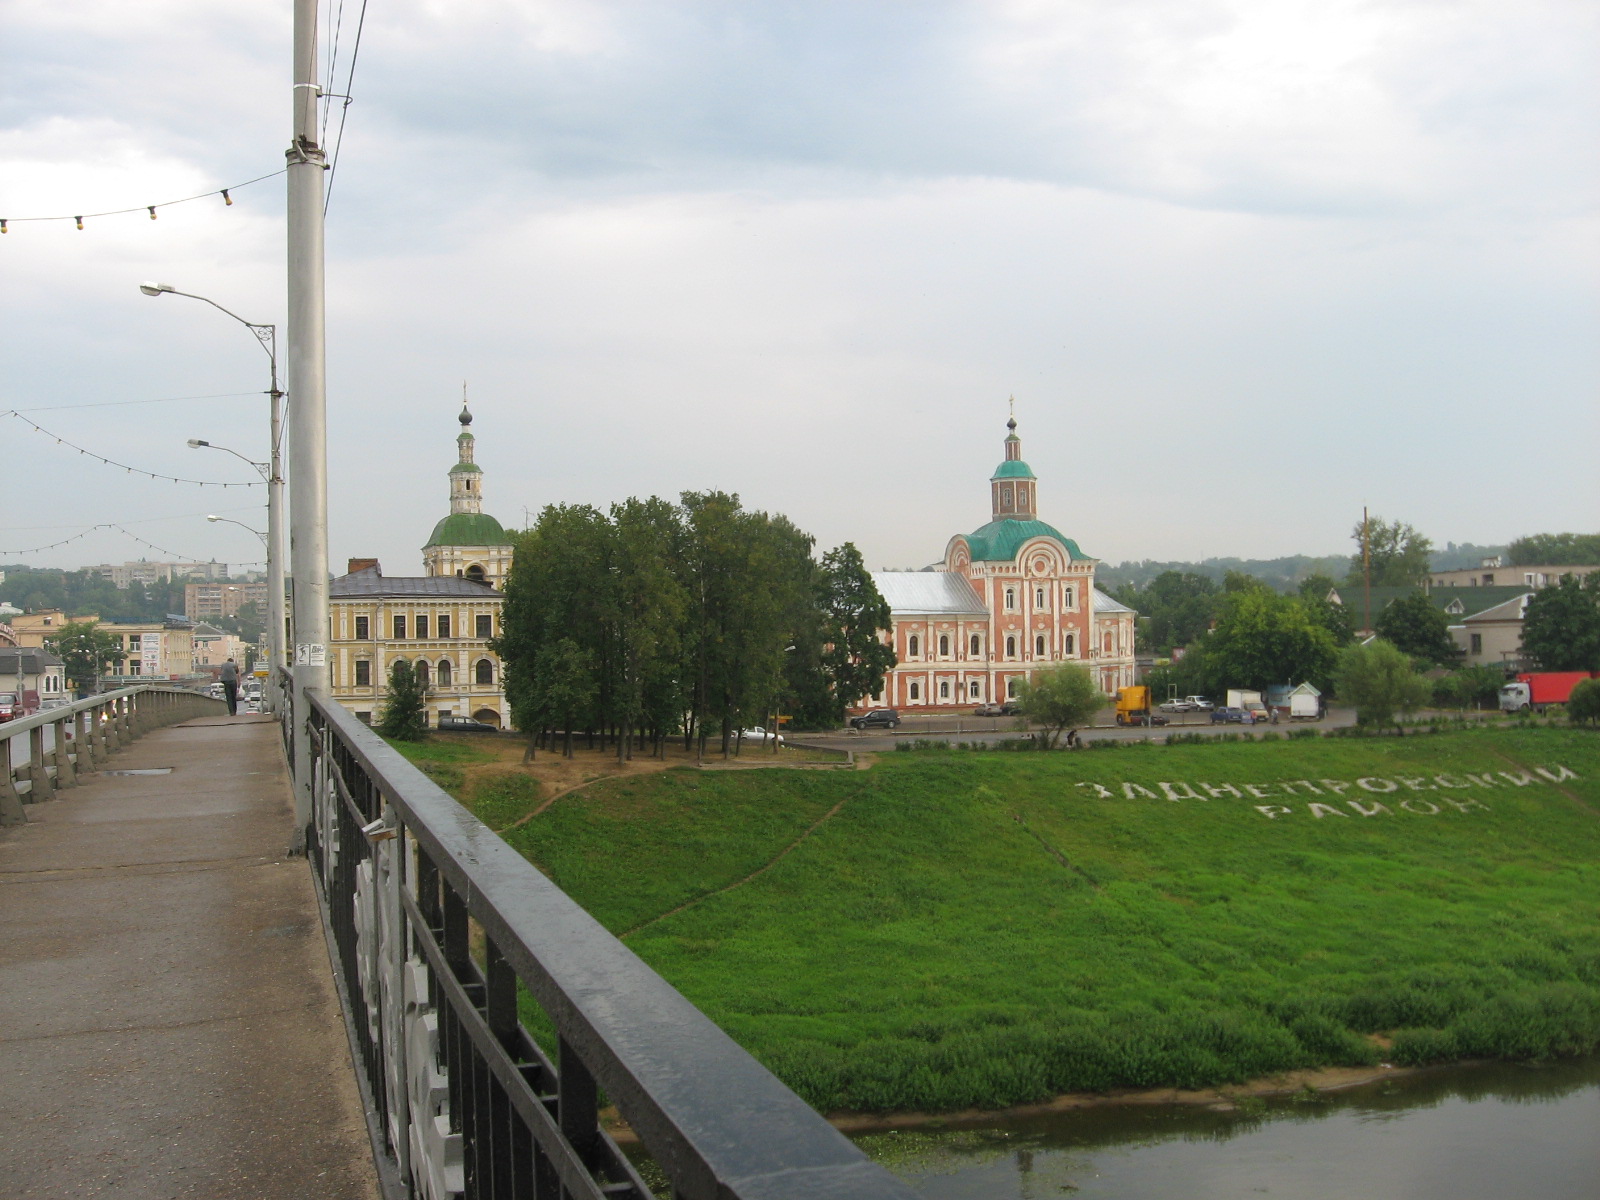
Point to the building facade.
(125, 575)
(221, 601)
(441, 622)
(1010, 598)
(1494, 573)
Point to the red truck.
(1539, 688)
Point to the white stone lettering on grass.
(1273, 811)
(1520, 778)
(1416, 784)
(1222, 789)
(1373, 784)
(1336, 786)
(1289, 785)
(1101, 791)
(1370, 809)
(1557, 775)
(1134, 791)
(1259, 790)
(1325, 810)
(1484, 780)
(1426, 807)
(1450, 781)
(1172, 792)
(1468, 804)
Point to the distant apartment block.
(213, 601)
(129, 573)
(1492, 572)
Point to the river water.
(1493, 1132)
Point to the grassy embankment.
(964, 929)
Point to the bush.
(1583, 706)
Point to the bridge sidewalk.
(168, 1025)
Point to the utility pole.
(1366, 574)
(308, 440)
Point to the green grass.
(990, 929)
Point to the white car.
(757, 733)
(1177, 706)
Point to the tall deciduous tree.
(1335, 618)
(405, 715)
(1262, 638)
(1418, 627)
(1561, 628)
(1399, 555)
(1381, 682)
(851, 658)
(1174, 608)
(85, 651)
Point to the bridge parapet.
(443, 934)
(45, 752)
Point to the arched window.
(976, 691)
(421, 671)
(475, 572)
(483, 673)
(1038, 646)
(1011, 598)
(944, 689)
(944, 645)
(916, 691)
(444, 672)
(1068, 649)
(914, 646)
(1011, 688)
(975, 646)
(1011, 646)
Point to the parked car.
(989, 710)
(884, 717)
(1176, 706)
(16, 705)
(758, 733)
(1200, 702)
(1232, 716)
(453, 724)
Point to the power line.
(116, 403)
(135, 537)
(80, 218)
(344, 109)
(113, 463)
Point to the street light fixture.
(271, 472)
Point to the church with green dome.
(1011, 597)
(469, 543)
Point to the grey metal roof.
(1105, 604)
(33, 661)
(370, 583)
(928, 592)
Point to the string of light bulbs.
(111, 462)
(79, 218)
(149, 545)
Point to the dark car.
(1231, 716)
(885, 717)
(450, 724)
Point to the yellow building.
(440, 622)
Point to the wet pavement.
(168, 1024)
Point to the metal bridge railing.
(440, 930)
(45, 753)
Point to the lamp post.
(271, 471)
(272, 643)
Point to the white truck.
(1250, 701)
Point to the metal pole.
(277, 634)
(308, 443)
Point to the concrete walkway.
(168, 1024)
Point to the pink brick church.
(1009, 598)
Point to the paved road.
(967, 728)
(168, 1026)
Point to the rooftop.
(999, 541)
(468, 529)
(932, 592)
(371, 582)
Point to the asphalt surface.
(952, 727)
(168, 1024)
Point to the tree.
(1381, 682)
(840, 659)
(1060, 698)
(1399, 555)
(405, 717)
(86, 652)
(1470, 687)
(1561, 627)
(1418, 627)
(1335, 618)
(1555, 549)
(1177, 606)
(1261, 639)
(1583, 706)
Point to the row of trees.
(700, 617)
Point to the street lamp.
(271, 471)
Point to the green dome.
(468, 529)
(1012, 468)
(998, 541)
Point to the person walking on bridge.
(230, 686)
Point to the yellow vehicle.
(1133, 707)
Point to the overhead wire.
(118, 403)
(110, 462)
(80, 218)
(118, 528)
(344, 109)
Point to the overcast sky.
(1245, 265)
